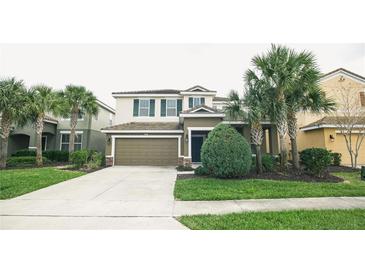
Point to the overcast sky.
(104, 68)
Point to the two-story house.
(168, 127)
(322, 130)
(56, 132)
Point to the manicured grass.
(299, 219)
(16, 182)
(218, 189)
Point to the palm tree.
(77, 100)
(42, 100)
(305, 96)
(13, 96)
(255, 100)
(277, 68)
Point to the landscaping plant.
(336, 158)
(24, 161)
(226, 153)
(79, 158)
(77, 100)
(316, 160)
(42, 99)
(13, 94)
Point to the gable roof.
(202, 111)
(102, 104)
(197, 89)
(343, 71)
(327, 122)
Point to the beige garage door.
(146, 151)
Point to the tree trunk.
(282, 130)
(283, 153)
(258, 159)
(74, 116)
(5, 126)
(292, 129)
(257, 136)
(39, 130)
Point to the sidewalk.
(223, 207)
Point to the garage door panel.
(146, 151)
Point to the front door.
(196, 145)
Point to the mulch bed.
(82, 169)
(287, 176)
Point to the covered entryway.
(146, 151)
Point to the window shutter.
(135, 107)
(179, 106)
(202, 101)
(163, 107)
(152, 107)
(190, 102)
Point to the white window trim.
(69, 132)
(144, 137)
(143, 131)
(171, 107)
(139, 107)
(190, 129)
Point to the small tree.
(42, 100)
(13, 96)
(350, 119)
(76, 100)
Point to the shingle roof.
(49, 118)
(145, 126)
(217, 98)
(164, 91)
(331, 120)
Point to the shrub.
(94, 160)
(268, 162)
(56, 155)
(24, 161)
(184, 168)
(226, 153)
(53, 155)
(24, 152)
(336, 158)
(201, 171)
(316, 160)
(79, 158)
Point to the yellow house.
(323, 130)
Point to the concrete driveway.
(113, 198)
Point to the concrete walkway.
(132, 198)
(222, 207)
(112, 198)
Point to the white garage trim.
(146, 137)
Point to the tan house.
(324, 130)
(168, 127)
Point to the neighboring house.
(322, 130)
(168, 127)
(56, 132)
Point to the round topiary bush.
(226, 153)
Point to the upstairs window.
(196, 101)
(171, 107)
(144, 107)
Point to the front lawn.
(219, 189)
(16, 182)
(298, 219)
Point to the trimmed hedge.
(226, 153)
(52, 155)
(336, 158)
(24, 161)
(316, 160)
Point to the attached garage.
(146, 151)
